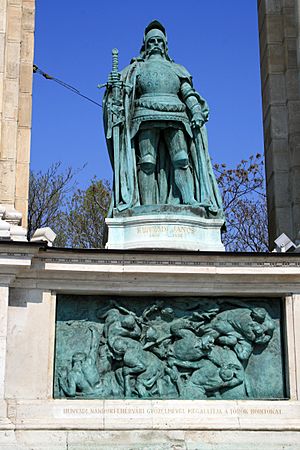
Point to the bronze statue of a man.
(156, 135)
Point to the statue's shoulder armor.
(131, 68)
(125, 71)
(182, 72)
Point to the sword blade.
(116, 141)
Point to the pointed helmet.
(155, 28)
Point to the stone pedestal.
(163, 231)
(33, 277)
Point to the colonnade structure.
(16, 60)
(279, 32)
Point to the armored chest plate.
(157, 96)
(158, 77)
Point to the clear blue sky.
(216, 40)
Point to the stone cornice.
(133, 272)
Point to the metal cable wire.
(36, 69)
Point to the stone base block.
(5, 423)
(4, 230)
(18, 233)
(165, 232)
(143, 440)
(45, 234)
(10, 224)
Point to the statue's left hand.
(197, 120)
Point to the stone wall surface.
(33, 276)
(16, 59)
(279, 31)
(145, 440)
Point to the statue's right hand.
(114, 77)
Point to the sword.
(116, 94)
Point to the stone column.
(296, 308)
(292, 345)
(3, 337)
(16, 60)
(279, 40)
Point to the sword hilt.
(115, 60)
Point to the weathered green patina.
(156, 135)
(168, 348)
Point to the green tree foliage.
(85, 215)
(77, 215)
(47, 196)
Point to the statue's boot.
(184, 182)
(147, 187)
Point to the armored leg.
(148, 141)
(177, 146)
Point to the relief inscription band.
(184, 411)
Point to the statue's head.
(78, 357)
(207, 341)
(258, 314)
(155, 40)
(112, 315)
(119, 347)
(151, 335)
(128, 322)
(167, 314)
(227, 371)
